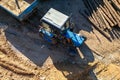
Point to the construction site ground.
(25, 56)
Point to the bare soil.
(25, 56)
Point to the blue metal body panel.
(25, 13)
(47, 35)
(76, 39)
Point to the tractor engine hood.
(76, 39)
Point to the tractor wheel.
(84, 38)
(54, 41)
(41, 35)
(72, 26)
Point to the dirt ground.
(25, 56)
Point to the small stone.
(42, 78)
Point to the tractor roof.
(55, 18)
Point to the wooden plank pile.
(116, 5)
(102, 15)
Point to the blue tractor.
(56, 28)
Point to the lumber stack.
(102, 15)
(116, 3)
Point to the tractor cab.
(55, 27)
(55, 20)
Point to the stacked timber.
(116, 5)
(102, 15)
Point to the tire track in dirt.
(11, 61)
(15, 68)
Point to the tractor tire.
(84, 38)
(41, 35)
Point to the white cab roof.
(55, 18)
